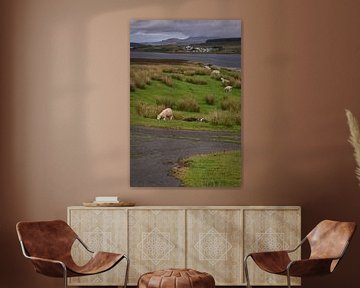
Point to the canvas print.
(185, 103)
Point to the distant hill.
(190, 45)
(136, 45)
(178, 41)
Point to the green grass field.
(190, 90)
(221, 169)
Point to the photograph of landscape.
(185, 103)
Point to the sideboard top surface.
(193, 207)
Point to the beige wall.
(65, 118)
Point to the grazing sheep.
(207, 67)
(215, 72)
(224, 81)
(228, 88)
(165, 114)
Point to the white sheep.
(207, 67)
(224, 81)
(228, 88)
(165, 114)
(215, 72)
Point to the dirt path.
(154, 151)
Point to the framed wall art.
(185, 103)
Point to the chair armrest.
(83, 244)
(309, 267)
(298, 246)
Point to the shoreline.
(231, 61)
(172, 61)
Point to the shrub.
(167, 102)
(140, 78)
(147, 110)
(168, 70)
(231, 73)
(202, 71)
(196, 81)
(178, 115)
(178, 77)
(188, 104)
(166, 80)
(156, 76)
(225, 118)
(189, 72)
(230, 104)
(172, 70)
(236, 84)
(132, 86)
(210, 99)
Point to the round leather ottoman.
(176, 278)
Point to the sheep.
(215, 72)
(207, 67)
(224, 81)
(228, 88)
(165, 114)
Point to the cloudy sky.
(157, 30)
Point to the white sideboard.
(212, 239)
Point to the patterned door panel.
(157, 241)
(214, 242)
(270, 230)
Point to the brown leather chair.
(328, 242)
(48, 245)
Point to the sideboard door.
(214, 244)
(101, 230)
(156, 240)
(271, 230)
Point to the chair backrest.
(46, 239)
(329, 239)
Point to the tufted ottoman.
(176, 278)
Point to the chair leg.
(127, 271)
(246, 270)
(288, 278)
(65, 276)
